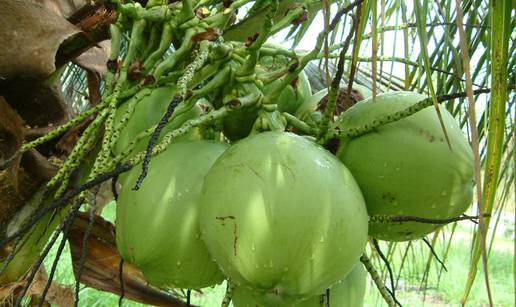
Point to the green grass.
(448, 293)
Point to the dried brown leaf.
(95, 58)
(31, 35)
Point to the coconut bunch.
(232, 193)
(226, 169)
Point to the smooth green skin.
(157, 227)
(349, 292)
(406, 167)
(346, 293)
(148, 112)
(281, 214)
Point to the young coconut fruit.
(147, 112)
(157, 226)
(346, 293)
(282, 215)
(406, 168)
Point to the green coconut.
(157, 226)
(148, 112)
(283, 215)
(406, 168)
(346, 293)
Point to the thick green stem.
(116, 38)
(300, 125)
(155, 14)
(164, 44)
(219, 80)
(153, 42)
(187, 11)
(249, 66)
(169, 64)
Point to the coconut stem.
(300, 125)
(378, 281)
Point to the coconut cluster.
(284, 219)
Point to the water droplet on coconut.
(256, 266)
(381, 176)
(385, 164)
(178, 263)
(397, 169)
(340, 249)
(444, 192)
(452, 204)
(438, 216)
(253, 247)
(285, 269)
(322, 239)
(434, 206)
(271, 265)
